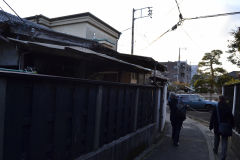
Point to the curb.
(198, 119)
(159, 138)
(212, 156)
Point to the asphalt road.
(200, 116)
(196, 142)
(193, 146)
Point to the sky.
(193, 38)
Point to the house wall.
(76, 29)
(88, 31)
(8, 55)
(125, 77)
(95, 33)
(82, 26)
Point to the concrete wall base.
(236, 143)
(126, 147)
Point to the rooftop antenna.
(13, 11)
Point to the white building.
(84, 25)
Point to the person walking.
(177, 116)
(221, 119)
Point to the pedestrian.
(222, 114)
(177, 116)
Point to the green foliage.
(232, 81)
(177, 86)
(201, 86)
(199, 83)
(222, 80)
(234, 48)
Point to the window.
(182, 75)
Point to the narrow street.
(196, 143)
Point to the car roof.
(187, 95)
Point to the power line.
(188, 35)
(171, 29)
(13, 11)
(180, 14)
(200, 17)
(214, 15)
(126, 29)
(178, 6)
(174, 27)
(173, 8)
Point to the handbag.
(225, 129)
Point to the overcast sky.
(195, 37)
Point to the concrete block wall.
(125, 148)
(236, 143)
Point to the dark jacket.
(174, 111)
(225, 114)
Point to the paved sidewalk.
(196, 143)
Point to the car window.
(194, 97)
(184, 97)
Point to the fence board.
(55, 118)
(18, 104)
(63, 103)
(92, 97)
(237, 110)
(80, 120)
(42, 101)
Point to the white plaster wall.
(75, 29)
(158, 109)
(86, 30)
(93, 32)
(164, 109)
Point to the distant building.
(84, 25)
(178, 71)
(235, 74)
(194, 69)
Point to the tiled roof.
(11, 19)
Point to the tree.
(222, 80)
(234, 48)
(178, 86)
(199, 83)
(210, 67)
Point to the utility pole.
(134, 18)
(132, 31)
(179, 61)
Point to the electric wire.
(126, 29)
(193, 18)
(173, 8)
(178, 6)
(211, 16)
(159, 37)
(180, 14)
(13, 11)
(188, 35)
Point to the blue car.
(196, 102)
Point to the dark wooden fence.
(234, 101)
(57, 118)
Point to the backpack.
(181, 111)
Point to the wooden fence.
(56, 118)
(232, 93)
